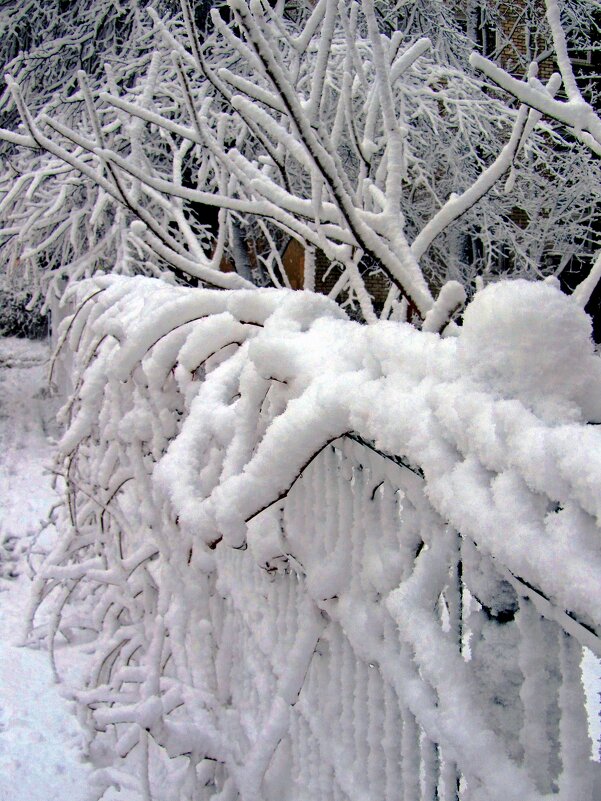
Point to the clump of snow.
(530, 341)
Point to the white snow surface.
(41, 743)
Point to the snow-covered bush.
(334, 125)
(20, 314)
(44, 44)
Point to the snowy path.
(40, 741)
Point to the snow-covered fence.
(349, 668)
(260, 540)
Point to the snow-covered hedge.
(19, 317)
(193, 415)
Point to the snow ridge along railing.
(250, 574)
(585, 633)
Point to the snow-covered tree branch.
(327, 127)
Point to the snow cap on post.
(529, 340)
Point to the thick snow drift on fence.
(260, 540)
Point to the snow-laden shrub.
(342, 127)
(20, 315)
(195, 410)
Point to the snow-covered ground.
(41, 744)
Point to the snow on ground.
(41, 744)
